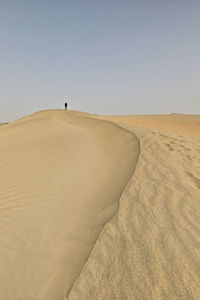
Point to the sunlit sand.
(100, 207)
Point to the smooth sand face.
(62, 175)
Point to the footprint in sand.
(169, 147)
(194, 180)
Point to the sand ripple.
(151, 247)
(62, 174)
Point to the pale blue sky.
(108, 56)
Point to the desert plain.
(100, 207)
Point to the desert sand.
(100, 210)
(173, 123)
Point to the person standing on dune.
(65, 99)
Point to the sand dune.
(150, 248)
(62, 174)
(88, 212)
(174, 123)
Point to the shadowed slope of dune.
(62, 174)
(174, 123)
(150, 249)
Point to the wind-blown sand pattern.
(62, 175)
(89, 213)
(151, 247)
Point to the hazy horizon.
(108, 57)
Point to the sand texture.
(96, 210)
(150, 248)
(62, 175)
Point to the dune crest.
(62, 175)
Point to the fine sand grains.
(62, 175)
(151, 248)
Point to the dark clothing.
(65, 105)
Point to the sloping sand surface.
(150, 249)
(62, 175)
(83, 218)
(174, 123)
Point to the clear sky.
(108, 56)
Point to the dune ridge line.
(61, 180)
(67, 292)
(150, 248)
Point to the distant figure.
(65, 105)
